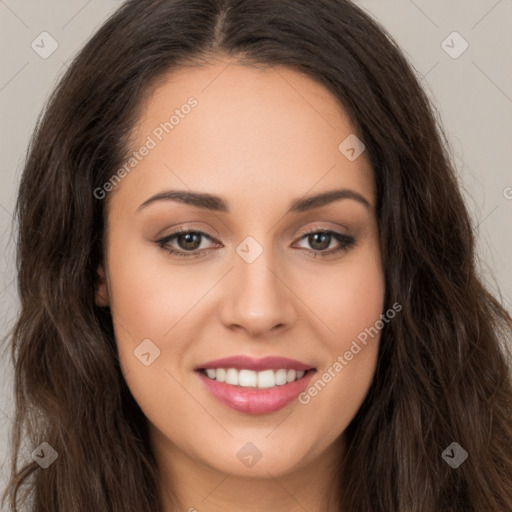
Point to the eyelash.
(347, 242)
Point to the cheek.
(349, 304)
(347, 298)
(150, 298)
(150, 304)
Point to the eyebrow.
(219, 204)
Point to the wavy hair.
(443, 371)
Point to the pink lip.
(253, 400)
(244, 362)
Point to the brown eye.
(188, 242)
(320, 240)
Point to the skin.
(260, 137)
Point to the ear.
(102, 298)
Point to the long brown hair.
(443, 372)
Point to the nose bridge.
(257, 299)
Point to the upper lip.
(241, 362)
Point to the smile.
(252, 392)
(249, 378)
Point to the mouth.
(245, 378)
(253, 386)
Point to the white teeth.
(290, 376)
(266, 379)
(247, 378)
(281, 377)
(231, 377)
(250, 378)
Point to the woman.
(184, 343)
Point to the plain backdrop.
(470, 87)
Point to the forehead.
(251, 131)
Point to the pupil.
(323, 235)
(189, 240)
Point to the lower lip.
(255, 400)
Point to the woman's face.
(251, 281)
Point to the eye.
(189, 242)
(188, 239)
(320, 239)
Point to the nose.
(257, 298)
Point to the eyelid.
(346, 241)
(190, 229)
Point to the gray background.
(473, 94)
